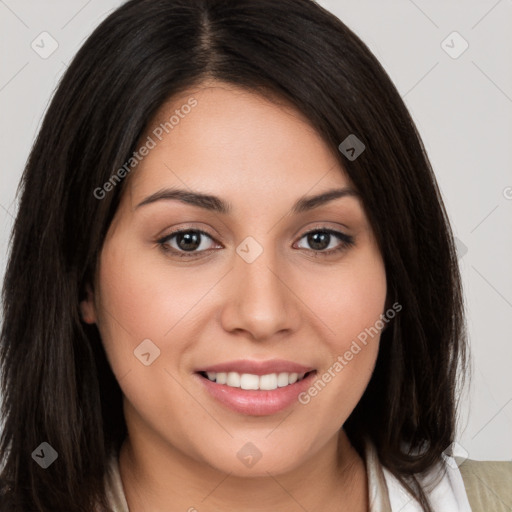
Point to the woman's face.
(254, 288)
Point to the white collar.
(442, 484)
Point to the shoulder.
(442, 484)
(488, 484)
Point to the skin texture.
(291, 303)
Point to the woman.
(232, 280)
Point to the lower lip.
(255, 402)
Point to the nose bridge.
(260, 278)
(259, 301)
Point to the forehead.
(235, 140)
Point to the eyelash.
(346, 241)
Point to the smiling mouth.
(249, 381)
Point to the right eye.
(186, 242)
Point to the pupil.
(190, 239)
(319, 240)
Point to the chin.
(247, 461)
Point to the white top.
(386, 494)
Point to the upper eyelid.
(314, 229)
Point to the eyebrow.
(216, 204)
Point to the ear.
(87, 309)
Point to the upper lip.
(258, 367)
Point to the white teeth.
(267, 382)
(282, 380)
(248, 381)
(233, 380)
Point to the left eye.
(324, 240)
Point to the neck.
(334, 479)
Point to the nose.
(261, 300)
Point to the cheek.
(144, 294)
(350, 304)
(143, 299)
(349, 299)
